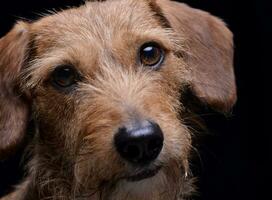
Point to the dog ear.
(13, 109)
(209, 53)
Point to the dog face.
(103, 84)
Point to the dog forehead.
(98, 21)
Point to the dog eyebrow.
(39, 68)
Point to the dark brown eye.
(64, 76)
(152, 55)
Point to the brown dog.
(104, 85)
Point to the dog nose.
(140, 144)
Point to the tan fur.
(72, 148)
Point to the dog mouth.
(145, 174)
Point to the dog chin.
(143, 174)
(142, 185)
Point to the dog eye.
(64, 76)
(151, 55)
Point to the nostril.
(153, 147)
(133, 151)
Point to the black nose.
(140, 144)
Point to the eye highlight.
(151, 55)
(64, 77)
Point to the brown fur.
(72, 148)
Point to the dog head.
(104, 83)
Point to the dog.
(99, 92)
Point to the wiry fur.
(72, 147)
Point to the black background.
(233, 156)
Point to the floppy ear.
(13, 109)
(209, 53)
